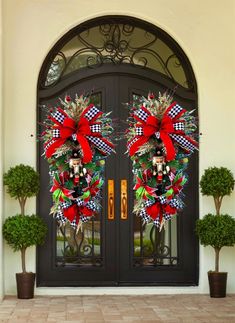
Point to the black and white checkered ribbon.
(139, 131)
(65, 205)
(58, 116)
(183, 142)
(176, 203)
(92, 206)
(174, 111)
(48, 144)
(56, 133)
(179, 126)
(73, 224)
(84, 219)
(100, 144)
(130, 143)
(167, 216)
(91, 113)
(144, 216)
(148, 203)
(60, 217)
(162, 199)
(79, 202)
(157, 223)
(141, 114)
(95, 128)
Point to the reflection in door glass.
(151, 247)
(154, 248)
(83, 247)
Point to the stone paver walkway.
(149, 308)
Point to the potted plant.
(217, 230)
(22, 231)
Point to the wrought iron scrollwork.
(77, 249)
(155, 248)
(116, 43)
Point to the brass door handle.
(124, 210)
(111, 214)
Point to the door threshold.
(138, 290)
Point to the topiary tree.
(217, 182)
(216, 230)
(21, 232)
(22, 181)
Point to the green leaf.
(86, 194)
(139, 192)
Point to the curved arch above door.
(117, 40)
(115, 58)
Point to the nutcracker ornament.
(76, 169)
(160, 167)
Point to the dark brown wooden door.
(118, 251)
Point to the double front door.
(115, 248)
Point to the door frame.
(142, 73)
(126, 71)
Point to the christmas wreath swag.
(76, 143)
(160, 138)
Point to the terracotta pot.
(25, 285)
(217, 283)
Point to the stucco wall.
(1, 160)
(204, 29)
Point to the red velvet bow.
(156, 210)
(69, 127)
(152, 126)
(74, 212)
(170, 210)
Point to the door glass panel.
(82, 248)
(151, 247)
(85, 246)
(117, 43)
(154, 248)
